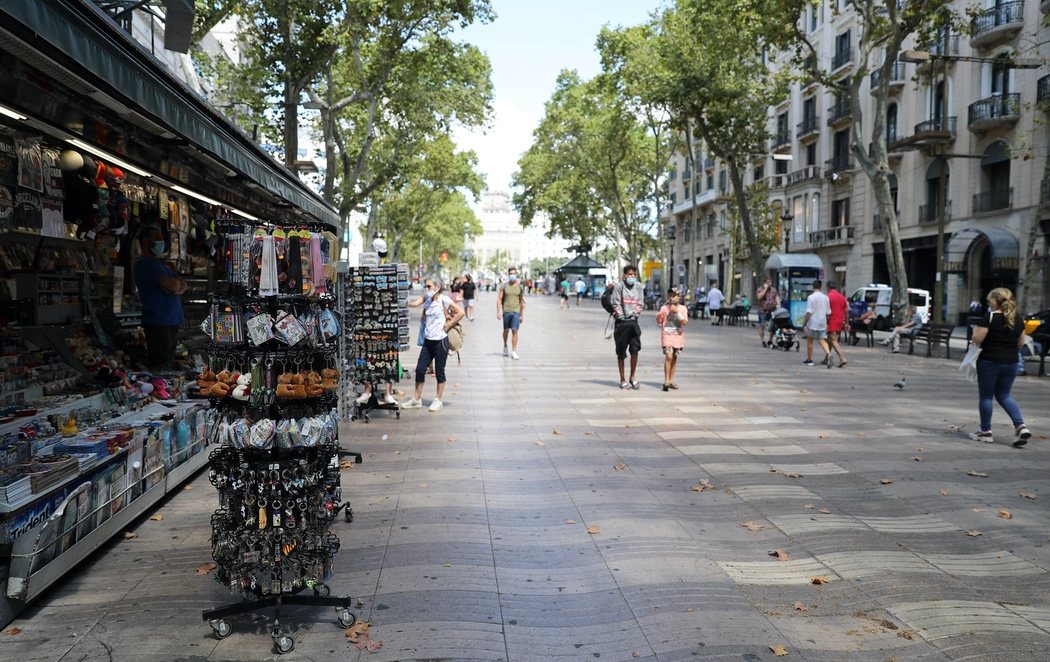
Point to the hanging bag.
(968, 366)
(454, 333)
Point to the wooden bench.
(1044, 340)
(933, 335)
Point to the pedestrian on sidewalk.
(628, 299)
(815, 324)
(510, 307)
(468, 287)
(999, 334)
(581, 288)
(672, 318)
(563, 292)
(715, 300)
(839, 311)
(439, 315)
(768, 300)
(909, 328)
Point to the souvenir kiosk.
(794, 274)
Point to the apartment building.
(992, 145)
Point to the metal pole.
(942, 192)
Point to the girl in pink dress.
(672, 318)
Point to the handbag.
(454, 333)
(969, 363)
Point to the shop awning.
(84, 39)
(1002, 243)
(778, 261)
(581, 264)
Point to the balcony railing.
(938, 48)
(808, 126)
(936, 125)
(774, 182)
(1042, 90)
(832, 236)
(897, 75)
(841, 58)
(996, 199)
(839, 112)
(928, 213)
(840, 163)
(781, 140)
(1006, 15)
(803, 174)
(1001, 106)
(709, 163)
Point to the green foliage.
(208, 14)
(587, 168)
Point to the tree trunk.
(291, 98)
(1031, 262)
(691, 155)
(740, 193)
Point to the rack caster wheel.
(348, 515)
(397, 415)
(284, 644)
(322, 590)
(222, 628)
(346, 618)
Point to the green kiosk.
(794, 274)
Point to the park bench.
(933, 335)
(858, 329)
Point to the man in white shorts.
(815, 324)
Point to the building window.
(840, 145)
(995, 179)
(811, 154)
(1000, 76)
(813, 212)
(710, 227)
(814, 17)
(783, 132)
(842, 48)
(780, 167)
(759, 174)
(710, 180)
(721, 181)
(891, 124)
(840, 213)
(809, 111)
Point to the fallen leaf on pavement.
(128, 535)
(570, 521)
(556, 431)
(423, 485)
(371, 646)
(818, 580)
(156, 518)
(448, 565)
(355, 632)
(800, 606)
(635, 655)
(620, 467)
(206, 568)
(704, 484)
(943, 492)
(979, 474)
(1028, 495)
(753, 526)
(825, 511)
(977, 510)
(974, 533)
(780, 555)
(809, 506)
(540, 443)
(346, 464)
(589, 434)
(593, 529)
(919, 450)
(918, 459)
(12, 631)
(1006, 514)
(187, 488)
(452, 440)
(778, 650)
(886, 481)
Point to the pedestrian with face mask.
(439, 315)
(627, 300)
(510, 308)
(159, 290)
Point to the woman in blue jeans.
(999, 334)
(439, 315)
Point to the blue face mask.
(630, 280)
(513, 278)
(428, 294)
(158, 248)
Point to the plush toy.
(243, 388)
(69, 428)
(329, 384)
(314, 390)
(286, 391)
(206, 379)
(160, 389)
(218, 390)
(285, 378)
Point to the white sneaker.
(412, 403)
(505, 351)
(436, 405)
(390, 400)
(514, 355)
(363, 398)
(986, 437)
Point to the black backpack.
(607, 303)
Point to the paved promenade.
(546, 515)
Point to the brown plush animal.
(285, 378)
(313, 390)
(219, 390)
(285, 391)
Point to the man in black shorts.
(627, 299)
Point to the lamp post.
(785, 220)
(941, 151)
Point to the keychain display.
(273, 378)
(378, 305)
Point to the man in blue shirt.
(159, 290)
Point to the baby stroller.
(783, 331)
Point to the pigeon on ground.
(901, 384)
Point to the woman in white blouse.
(440, 314)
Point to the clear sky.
(529, 43)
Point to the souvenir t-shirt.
(159, 308)
(671, 320)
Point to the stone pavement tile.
(606, 640)
(436, 577)
(428, 552)
(434, 640)
(464, 606)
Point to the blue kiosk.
(794, 274)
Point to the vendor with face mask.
(159, 291)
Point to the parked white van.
(878, 295)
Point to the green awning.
(102, 54)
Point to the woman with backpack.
(439, 315)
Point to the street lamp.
(941, 152)
(785, 220)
